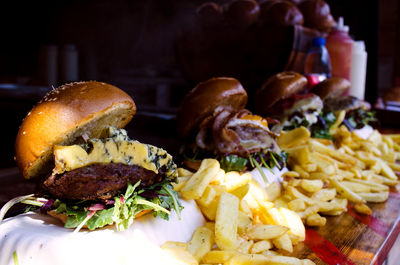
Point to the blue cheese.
(115, 149)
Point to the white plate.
(40, 239)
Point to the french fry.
(374, 197)
(174, 244)
(346, 192)
(291, 174)
(244, 222)
(339, 119)
(308, 211)
(373, 186)
(180, 183)
(296, 194)
(210, 210)
(283, 242)
(182, 172)
(241, 191)
(210, 225)
(356, 187)
(311, 185)
(333, 153)
(315, 220)
(362, 208)
(261, 246)
(294, 137)
(244, 207)
(386, 170)
(383, 180)
(245, 246)
(272, 216)
(307, 262)
(218, 256)
(324, 195)
(301, 171)
(270, 253)
(234, 180)
(273, 191)
(297, 205)
(292, 220)
(209, 195)
(201, 242)
(196, 185)
(394, 166)
(226, 221)
(259, 259)
(263, 232)
(219, 178)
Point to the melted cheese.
(113, 150)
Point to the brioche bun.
(331, 87)
(282, 13)
(201, 102)
(278, 87)
(63, 116)
(317, 15)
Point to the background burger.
(90, 172)
(358, 112)
(214, 123)
(284, 96)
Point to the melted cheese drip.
(113, 150)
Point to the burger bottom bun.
(41, 239)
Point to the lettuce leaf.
(124, 209)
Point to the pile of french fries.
(249, 224)
(327, 175)
(244, 226)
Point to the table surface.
(350, 238)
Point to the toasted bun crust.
(331, 87)
(201, 102)
(64, 115)
(277, 87)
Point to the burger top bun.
(331, 87)
(201, 102)
(63, 116)
(277, 87)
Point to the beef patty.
(98, 181)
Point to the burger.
(284, 96)
(358, 112)
(214, 123)
(89, 171)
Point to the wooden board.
(355, 238)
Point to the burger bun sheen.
(331, 87)
(63, 116)
(276, 88)
(201, 102)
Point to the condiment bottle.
(340, 48)
(358, 70)
(317, 66)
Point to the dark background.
(132, 44)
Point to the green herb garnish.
(233, 163)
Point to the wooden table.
(350, 238)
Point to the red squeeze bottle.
(340, 48)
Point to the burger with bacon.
(214, 123)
